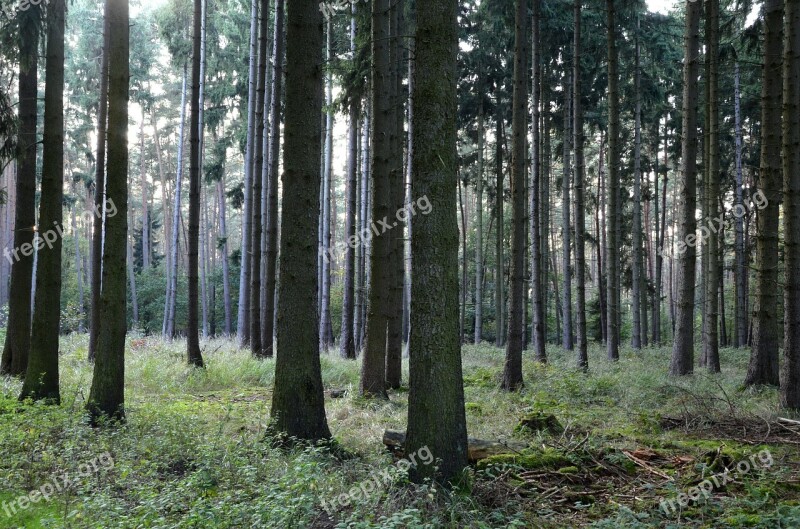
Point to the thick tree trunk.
(764, 355)
(512, 371)
(298, 402)
(683, 347)
(373, 368)
(18, 331)
(41, 377)
(790, 379)
(436, 418)
(107, 393)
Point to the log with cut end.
(477, 448)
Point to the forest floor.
(193, 452)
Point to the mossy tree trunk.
(436, 417)
(107, 394)
(298, 402)
(41, 378)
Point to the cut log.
(477, 448)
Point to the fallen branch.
(645, 466)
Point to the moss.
(568, 470)
(528, 459)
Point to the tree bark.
(740, 321)
(683, 347)
(298, 402)
(613, 253)
(566, 304)
(764, 355)
(436, 417)
(538, 239)
(580, 179)
(107, 393)
(41, 377)
(790, 376)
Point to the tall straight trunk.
(79, 269)
(545, 171)
(580, 179)
(99, 192)
(408, 197)
(347, 347)
(172, 286)
(325, 342)
(41, 377)
(18, 331)
(790, 377)
(298, 402)
(164, 194)
(373, 368)
(660, 227)
(711, 336)
(132, 275)
(226, 275)
(613, 215)
(204, 266)
(602, 240)
(463, 287)
(499, 276)
(764, 355)
(394, 339)
(566, 336)
(683, 346)
(538, 240)
(271, 261)
(193, 355)
(363, 287)
(638, 261)
(107, 393)
(204, 252)
(243, 313)
(479, 232)
(436, 416)
(512, 371)
(740, 318)
(256, 344)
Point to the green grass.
(193, 453)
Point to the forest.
(353, 264)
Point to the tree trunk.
(512, 372)
(580, 178)
(226, 275)
(325, 342)
(613, 252)
(298, 402)
(41, 377)
(436, 418)
(790, 379)
(538, 239)
(193, 355)
(18, 334)
(373, 368)
(243, 315)
(764, 355)
(683, 348)
(145, 212)
(479, 232)
(271, 261)
(710, 334)
(107, 393)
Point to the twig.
(646, 466)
